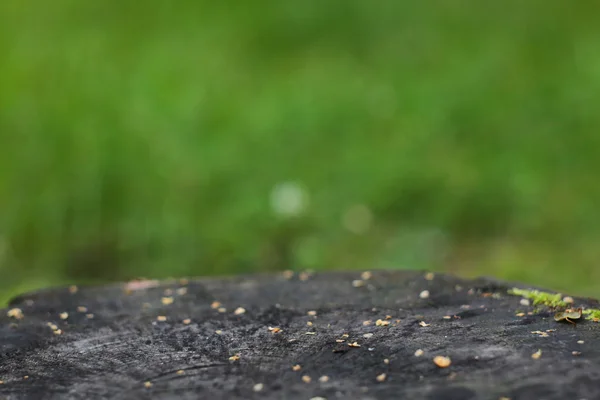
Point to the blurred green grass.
(146, 140)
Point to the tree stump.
(335, 335)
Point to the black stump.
(323, 336)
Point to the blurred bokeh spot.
(199, 138)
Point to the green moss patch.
(592, 314)
(552, 300)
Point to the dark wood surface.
(128, 342)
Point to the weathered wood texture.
(124, 351)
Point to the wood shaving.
(358, 283)
(288, 274)
(63, 315)
(219, 332)
(381, 378)
(576, 353)
(367, 322)
(525, 302)
(296, 367)
(447, 317)
(222, 310)
(367, 335)
(15, 313)
(366, 275)
(540, 333)
(580, 342)
(82, 309)
(58, 332)
(306, 379)
(424, 294)
(161, 318)
(324, 379)
(568, 300)
(304, 276)
(182, 291)
(215, 305)
(239, 311)
(89, 316)
(424, 324)
(73, 289)
(441, 361)
(381, 322)
(137, 284)
(186, 321)
(274, 329)
(340, 340)
(386, 361)
(429, 276)
(309, 323)
(310, 333)
(419, 353)
(235, 357)
(180, 372)
(536, 355)
(166, 300)
(147, 384)
(521, 314)
(355, 344)
(312, 313)
(258, 387)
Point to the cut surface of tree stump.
(334, 335)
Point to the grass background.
(147, 140)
